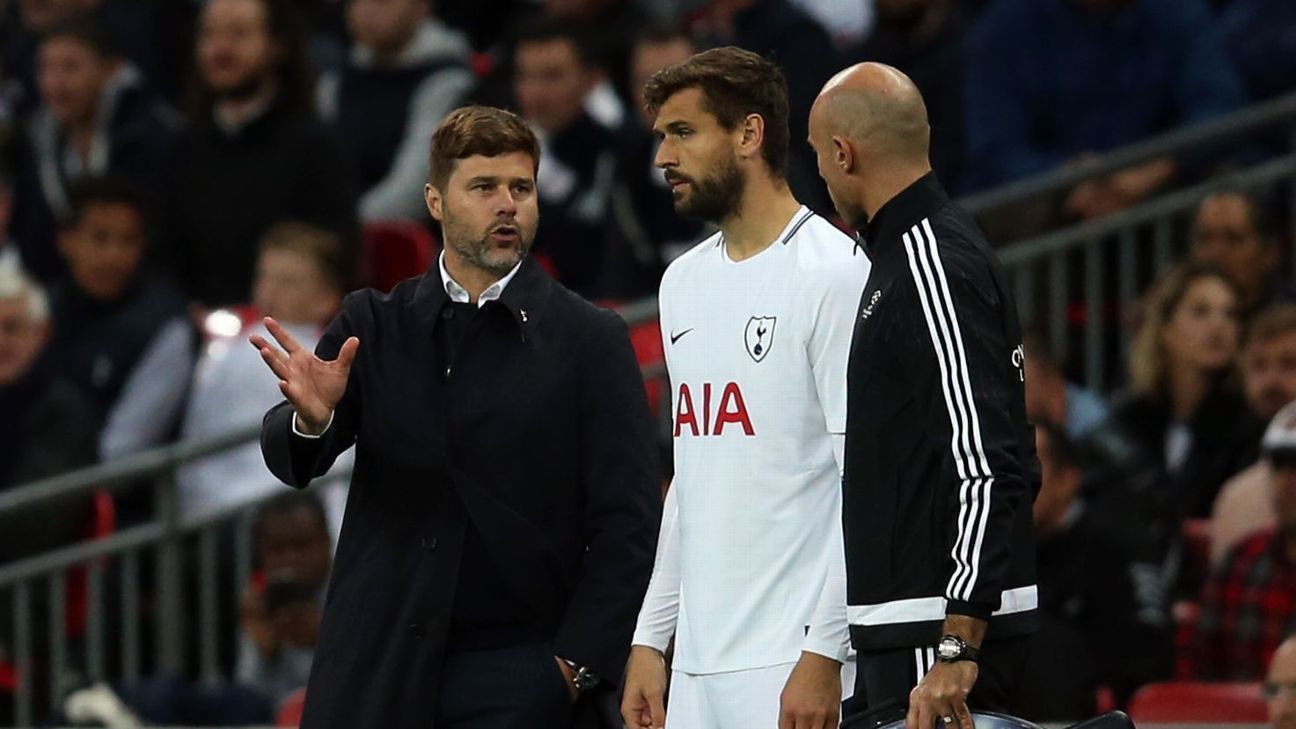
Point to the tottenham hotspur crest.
(759, 336)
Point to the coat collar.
(922, 198)
(525, 297)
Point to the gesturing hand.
(313, 386)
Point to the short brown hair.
(473, 130)
(734, 84)
(1270, 323)
(321, 246)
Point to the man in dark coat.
(502, 517)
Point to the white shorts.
(736, 699)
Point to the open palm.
(312, 385)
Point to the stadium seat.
(1190, 702)
(395, 251)
(647, 343)
(290, 709)
(102, 523)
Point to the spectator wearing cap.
(1280, 686)
(121, 333)
(254, 153)
(95, 118)
(1249, 603)
(300, 284)
(1234, 231)
(406, 71)
(1268, 367)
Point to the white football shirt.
(757, 353)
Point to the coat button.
(429, 543)
(416, 631)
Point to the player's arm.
(643, 698)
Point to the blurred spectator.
(554, 74)
(121, 334)
(1259, 37)
(299, 282)
(1182, 411)
(925, 40)
(848, 21)
(1052, 81)
(46, 428)
(616, 24)
(254, 155)
(1051, 399)
(128, 24)
(95, 118)
(1280, 686)
(407, 70)
(1100, 601)
(646, 233)
(281, 613)
(1234, 231)
(1245, 504)
(782, 32)
(1249, 604)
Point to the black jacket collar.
(922, 198)
(525, 297)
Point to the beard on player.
(713, 198)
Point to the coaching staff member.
(939, 455)
(501, 524)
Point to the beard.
(716, 197)
(477, 248)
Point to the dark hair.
(545, 28)
(734, 84)
(1259, 210)
(84, 30)
(289, 502)
(295, 74)
(473, 130)
(89, 191)
(324, 247)
(1270, 323)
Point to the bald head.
(878, 109)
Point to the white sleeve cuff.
(301, 434)
(658, 639)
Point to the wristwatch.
(952, 649)
(583, 678)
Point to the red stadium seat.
(102, 523)
(395, 251)
(1190, 702)
(290, 709)
(647, 343)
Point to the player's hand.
(313, 386)
(643, 701)
(940, 698)
(811, 699)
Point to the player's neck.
(767, 206)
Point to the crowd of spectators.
(173, 170)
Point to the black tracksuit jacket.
(940, 469)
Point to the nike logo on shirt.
(675, 337)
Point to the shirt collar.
(917, 201)
(460, 295)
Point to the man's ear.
(432, 196)
(753, 136)
(844, 156)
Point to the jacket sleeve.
(623, 505)
(295, 459)
(981, 392)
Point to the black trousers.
(506, 688)
(889, 675)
